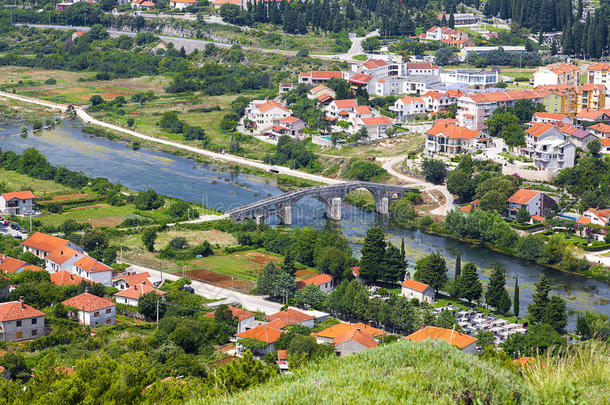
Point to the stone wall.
(527, 174)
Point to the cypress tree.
(495, 288)
(516, 298)
(579, 10)
(402, 248)
(451, 21)
(540, 299)
(458, 266)
(373, 255)
(468, 285)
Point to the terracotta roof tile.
(44, 242)
(315, 280)
(91, 265)
(452, 131)
(318, 88)
(539, 128)
(523, 196)
(291, 316)
(598, 66)
(134, 278)
(88, 302)
(62, 255)
(63, 277)
(421, 65)
(261, 333)
(341, 328)
(363, 109)
(20, 195)
(377, 121)
(31, 267)
(290, 120)
(415, 285)
(349, 103)
(560, 68)
(10, 311)
(374, 63)
(136, 291)
(269, 104)
(363, 338)
(452, 337)
(10, 265)
(550, 116)
(361, 78)
(412, 100)
(601, 127)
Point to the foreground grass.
(402, 372)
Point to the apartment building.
(597, 73)
(451, 139)
(263, 114)
(548, 147)
(557, 73)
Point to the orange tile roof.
(269, 104)
(356, 271)
(433, 94)
(31, 267)
(61, 255)
(261, 333)
(279, 128)
(91, 265)
(538, 218)
(10, 311)
(10, 265)
(494, 97)
(240, 314)
(282, 355)
(415, 285)
(590, 114)
(20, 195)
(318, 88)
(349, 103)
(598, 66)
(454, 93)
(363, 109)
(523, 196)
(363, 338)
(373, 63)
(88, 302)
(324, 74)
(136, 291)
(361, 78)
(421, 65)
(377, 121)
(341, 328)
(290, 120)
(550, 116)
(446, 121)
(63, 277)
(601, 127)
(278, 324)
(466, 208)
(583, 220)
(412, 100)
(561, 68)
(44, 242)
(605, 141)
(315, 280)
(539, 128)
(452, 337)
(134, 278)
(452, 131)
(323, 97)
(291, 316)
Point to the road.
(249, 302)
(190, 44)
(389, 164)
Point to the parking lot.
(10, 229)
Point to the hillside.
(403, 372)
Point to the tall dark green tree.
(468, 284)
(432, 270)
(540, 300)
(394, 265)
(516, 298)
(458, 266)
(451, 21)
(373, 255)
(495, 287)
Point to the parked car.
(17, 237)
(15, 226)
(6, 223)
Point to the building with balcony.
(478, 79)
(452, 140)
(557, 73)
(17, 203)
(548, 147)
(597, 73)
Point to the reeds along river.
(223, 188)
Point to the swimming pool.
(572, 217)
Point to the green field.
(98, 214)
(17, 182)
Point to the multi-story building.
(19, 321)
(452, 140)
(478, 79)
(407, 107)
(336, 107)
(42, 244)
(554, 118)
(600, 130)
(17, 203)
(92, 310)
(475, 109)
(319, 76)
(548, 147)
(597, 73)
(263, 114)
(463, 18)
(557, 73)
(534, 202)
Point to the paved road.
(249, 302)
(443, 209)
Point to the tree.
(148, 238)
(460, 182)
(289, 265)
(451, 21)
(432, 270)
(333, 261)
(555, 314)
(394, 265)
(447, 320)
(516, 298)
(522, 216)
(434, 170)
(468, 285)
(266, 279)
(594, 147)
(148, 200)
(283, 287)
(495, 287)
(493, 201)
(485, 338)
(179, 242)
(458, 266)
(130, 122)
(310, 296)
(15, 364)
(445, 56)
(373, 255)
(538, 340)
(147, 305)
(540, 300)
(96, 100)
(504, 303)
(582, 328)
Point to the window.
(34, 321)
(108, 321)
(96, 314)
(18, 323)
(108, 310)
(19, 335)
(34, 332)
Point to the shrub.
(178, 243)
(50, 80)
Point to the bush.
(50, 80)
(178, 243)
(363, 170)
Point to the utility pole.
(157, 312)
(121, 254)
(30, 223)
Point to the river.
(221, 188)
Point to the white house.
(42, 244)
(19, 321)
(320, 90)
(557, 73)
(471, 78)
(181, 4)
(129, 279)
(605, 145)
(553, 118)
(9, 265)
(90, 269)
(465, 343)
(336, 107)
(131, 295)
(17, 203)
(450, 139)
(244, 317)
(62, 259)
(92, 310)
(322, 281)
(354, 341)
(291, 126)
(548, 147)
(291, 317)
(407, 107)
(265, 113)
(534, 202)
(375, 126)
(262, 333)
(436, 101)
(414, 289)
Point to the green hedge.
(597, 247)
(525, 227)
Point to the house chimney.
(21, 301)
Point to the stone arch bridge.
(331, 195)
